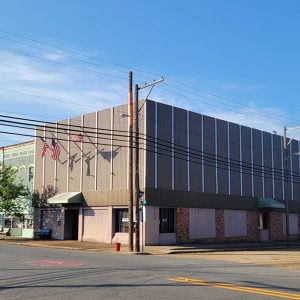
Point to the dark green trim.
(267, 203)
(170, 198)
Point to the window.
(122, 220)
(31, 173)
(166, 220)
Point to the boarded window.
(235, 223)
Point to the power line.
(204, 162)
(22, 114)
(47, 98)
(63, 64)
(77, 52)
(282, 117)
(221, 105)
(124, 133)
(185, 151)
(58, 53)
(223, 98)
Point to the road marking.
(53, 263)
(239, 288)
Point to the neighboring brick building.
(20, 157)
(203, 179)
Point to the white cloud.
(263, 118)
(53, 81)
(59, 82)
(45, 79)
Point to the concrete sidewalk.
(153, 250)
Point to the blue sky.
(246, 52)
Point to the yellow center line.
(240, 288)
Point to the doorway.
(71, 224)
(264, 226)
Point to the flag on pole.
(44, 148)
(77, 138)
(54, 150)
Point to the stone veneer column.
(252, 226)
(276, 226)
(182, 224)
(220, 229)
(37, 218)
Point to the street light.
(286, 157)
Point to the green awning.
(66, 198)
(269, 203)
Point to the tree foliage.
(40, 200)
(11, 192)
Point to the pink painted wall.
(97, 224)
(202, 223)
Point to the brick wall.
(182, 224)
(252, 226)
(276, 226)
(220, 229)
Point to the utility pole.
(137, 160)
(137, 175)
(130, 164)
(286, 157)
(286, 187)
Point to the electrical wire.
(61, 63)
(205, 163)
(148, 139)
(190, 152)
(282, 117)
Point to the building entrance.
(71, 224)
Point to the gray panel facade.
(180, 149)
(195, 139)
(62, 164)
(277, 164)
(104, 150)
(222, 152)
(150, 143)
(295, 170)
(75, 158)
(246, 161)
(257, 163)
(209, 149)
(267, 163)
(119, 149)
(234, 146)
(164, 156)
(88, 152)
(185, 152)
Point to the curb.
(163, 252)
(230, 250)
(77, 249)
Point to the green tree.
(40, 200)
(11, 192)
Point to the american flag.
(77, 138)
(54, 150)
(44, 148)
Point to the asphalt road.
(39, 273)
